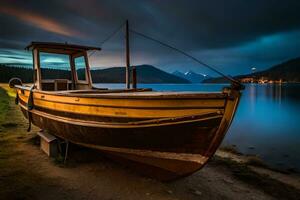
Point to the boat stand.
(48, 143)
(63, 143)
(66, 152)
(53, 146)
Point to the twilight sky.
(232, 35)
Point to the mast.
(127, 56)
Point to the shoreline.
(257, 165)
(253, 159)
(27, 173)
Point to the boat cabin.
(70, 60)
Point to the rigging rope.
(232, 80)
(188, 55)
(112, 34)
(109, 37)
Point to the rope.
(112, 34)
(92, 52)
(188, 55)
(108, 37)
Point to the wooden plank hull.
(166, 137)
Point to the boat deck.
(130, 93)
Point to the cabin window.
(80, 68)
(55, 66)
(55, 71)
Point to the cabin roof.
(60, 47)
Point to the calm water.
(266, 123)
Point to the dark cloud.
(215, 28)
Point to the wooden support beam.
(127, 56)
(134, 82)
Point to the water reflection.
(266, 123)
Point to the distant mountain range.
(191, 76)
(288, 71)
(145, 74)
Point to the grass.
(9, 91)
(16, 181)
(4, 105)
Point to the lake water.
(266, 123)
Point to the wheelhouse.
(72, 66)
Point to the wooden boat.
(166, 135)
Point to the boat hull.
(165, 147)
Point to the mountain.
(191, 76)
(216, 80)
(288, 71)
(145, 74)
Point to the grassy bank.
(4, 101)
(17, 179)
(14, 180)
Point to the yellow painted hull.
(166, 135)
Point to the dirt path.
(27, 173)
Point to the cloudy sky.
(232, 35)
